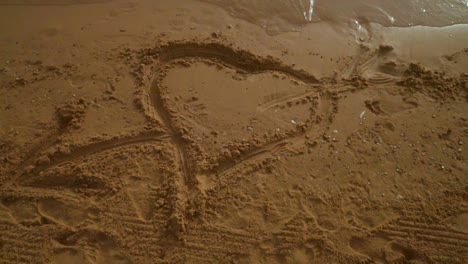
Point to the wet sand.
(233, 131)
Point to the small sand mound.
(71, 113)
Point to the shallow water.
(285, 15)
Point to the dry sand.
(143, 131)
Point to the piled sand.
(212, 132)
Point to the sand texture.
(233, 131)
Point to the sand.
(141, 131)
